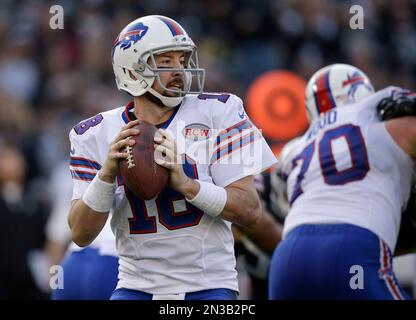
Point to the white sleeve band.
(211, 198)
(99, 195)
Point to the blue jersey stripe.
(235, 145)
(85, 163)
(233, 130)
(81, 175)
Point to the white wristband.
(211, 198)
(99, 195)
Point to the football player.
(348, 180)
(178, 245)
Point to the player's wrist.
(99, 195)
(189, 188)
(107, 176)
(210, 198)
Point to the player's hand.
(110, 169)
(397, 106)
(167, 156)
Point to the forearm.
(85, 223)
(242, 206)
(266, 234)
(403, 132)
(88, 215)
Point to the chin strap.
(169, 102)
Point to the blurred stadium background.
(51, 79)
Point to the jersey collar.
(128, 115)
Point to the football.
(140, 172)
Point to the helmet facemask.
(191, 77)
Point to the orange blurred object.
(276, 104)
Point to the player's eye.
(167, 62)
(164, 61)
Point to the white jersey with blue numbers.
(348, 169)
(166, 245)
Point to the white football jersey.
(348, 169)
(166, 245)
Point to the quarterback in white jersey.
(179, 244)
(348, 180)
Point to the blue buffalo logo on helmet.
(130, 36)
(355, 81)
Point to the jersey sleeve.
(83, 164)
(239, 149)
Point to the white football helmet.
(334, 86)
(134, 64)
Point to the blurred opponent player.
(254, 246)
(348, 180)
(89, 273)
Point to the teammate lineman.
(348, 180)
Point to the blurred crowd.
(52, 79)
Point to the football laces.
(130, 159)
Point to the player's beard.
(167, 93)
(172, 86)
(157, 101)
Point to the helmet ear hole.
(132, 76)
